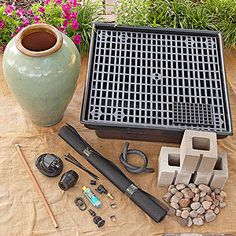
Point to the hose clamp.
(131, 190)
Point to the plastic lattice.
(158, 80)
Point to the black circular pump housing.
(49, 164)
(68, 180)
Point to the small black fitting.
(93, 182)
(98, 221)
(68, 180)
(91, 212)
(101, 189)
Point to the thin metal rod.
(36, 185)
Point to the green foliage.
(133, 12)
(217, 15)
(86, 16)
(10, 25)
(52, 14)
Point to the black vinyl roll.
(145, 201)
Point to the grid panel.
(150, 79)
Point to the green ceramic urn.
(41, 66)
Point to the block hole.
(173, 159)
(201, 143)
(219, 164)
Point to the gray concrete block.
(183, 178)
(202, 178)
(220, 173)
(198, 151)
(168, 165)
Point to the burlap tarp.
(22, 211)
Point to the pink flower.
(2, 24)
(36, 18)
(58, 1)
(62, 29)
(67, 17)
(13, 35)
(13, 6)
(74, 3)
(30, 12)
(20, 12)
(41, 9)
(65, 24)
(77, 39)
(26, 22)
(75, 24)
(47, 2)
(73, 15)
(9, 9)
(19, 28)
(66, 8)
(3, 47)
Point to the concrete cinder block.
(198, 151)
(183, 178)
(202, 178)
(169, 168)
(168, 165)
(220, 173)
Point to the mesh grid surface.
(156, 80)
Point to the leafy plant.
(71, 17)
(217, 15)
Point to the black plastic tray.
(153, 83)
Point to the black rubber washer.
(80, 203)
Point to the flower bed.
(70, 17)
(219, 15)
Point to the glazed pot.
(41, 66)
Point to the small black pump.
(49, 164)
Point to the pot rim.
(38, 28)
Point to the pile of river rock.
(195, 204)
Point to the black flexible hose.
(132, 168)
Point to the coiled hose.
(132, 168)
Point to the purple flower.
(41, 9)
(13, 35)
(75, 24)
(2, 24)
(9, 9)
(47, 2)
(36, 18)
(77, 39)
(66, 8)
(73, 15)
(20, 12)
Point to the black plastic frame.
(165, 132)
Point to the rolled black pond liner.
(149, 204)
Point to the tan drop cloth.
(22, 211)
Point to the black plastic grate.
(192, 113)
(141, 79)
